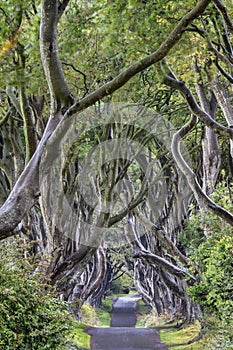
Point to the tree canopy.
(116, 146)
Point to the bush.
(215, 292)
(31, 317)
(218, 334)
(209, 242)
(210, 245)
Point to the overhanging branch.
(195, 109)
(225, 14)
(24, 194)
(141, 65)
(158, 260)
(200, 196)
(61, 7)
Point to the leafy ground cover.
(214, 336)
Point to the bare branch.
(4, 119)
(211, 154)
(200, 196)
(158, 260)
(195, 108)
(29, 130)
(26, 189)
(161, 235)
(225, 14)
(223, 72)
(61, 8)
(77, 261)
(80, 72)
(222, 57)
(14, 100)
(224, 102)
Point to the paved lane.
(122, 335)
(127, 338)
(123, 312)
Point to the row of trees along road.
(63, 61)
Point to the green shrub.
(209, 241)
(31, 317)
(89, 315)
(220, 334)
(215, 291)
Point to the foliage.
(78, 338)
(215, 335)
(121, 262)
(89, 315)
(103, 313)
(101, 38)
(30, 314)
(183, 336)
(121, 284)
(19, 32)
(215, 292)
(219, 334)
(211, 257)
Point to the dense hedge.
(31, 317)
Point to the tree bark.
(60, 94)
(26, 190)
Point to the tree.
(38, 127)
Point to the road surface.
(122, 335)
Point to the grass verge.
(183, 336)
(78, 338)
(216, 335)
(142, 314)
(103, 313)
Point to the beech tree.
(180, 66)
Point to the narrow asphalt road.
(122, 335)
(123, 312)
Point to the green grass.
(78, 337)
(131, 292)
(184, 337)
(142, 312)
(171, 336)
(216, 336)
(91, 318)
(180, 336)
(142, 307)
(103, 313)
